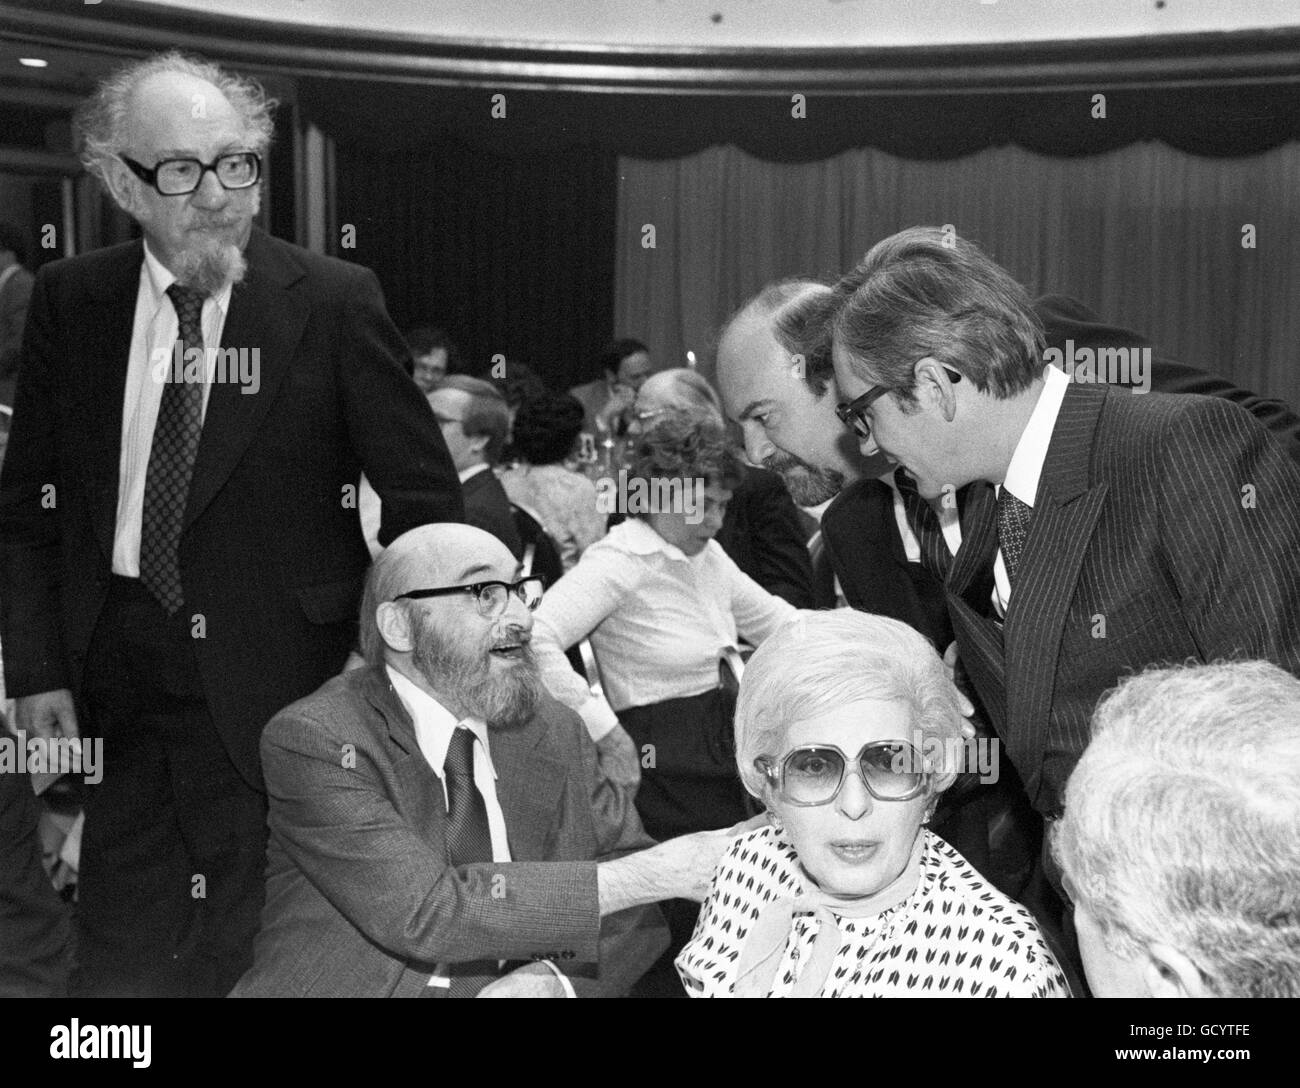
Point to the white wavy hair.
(101, 122)
(1182, 822)
(820, 660)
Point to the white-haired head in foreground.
(1180, 842)
(818, 661)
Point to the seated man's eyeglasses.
(491, 597)
(176, 177)
(853, 414)
(891, 770)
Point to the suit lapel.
(111, 317)
(1066, 511)
(530, 785)
(265, 317)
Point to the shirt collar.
(637, 537)
(157, 277)
(473, 470)
(12, 270)
(434, 723)
(1031, 451)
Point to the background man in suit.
(475, 422)
(15, 294)
(180, 546)
(622, 366)
(1126, 530)
(437, 812)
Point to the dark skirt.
(689, 780)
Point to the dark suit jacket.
(860, 538)
(361, 897)
(1165, 528)
(272, 554)
(487, 506)
(762, 533)
(1066, 318)
(15, 296)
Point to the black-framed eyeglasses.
(491, 597)
(177, 177)
(814, 774)
(853, 414)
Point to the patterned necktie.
(468, 837)
(924, 523)
(1013, 527)
(171, 459)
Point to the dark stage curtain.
(511, 254)
(1220, 121)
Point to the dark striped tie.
(924, 523)
(171, 458)
(1014, 517)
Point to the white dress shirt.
(434, 725)
(656, 618)
(371, 508)
(153, 338)
(1027, 466)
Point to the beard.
(505, 699)
(210, 268)
(808, 484)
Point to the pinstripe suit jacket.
(361, 898)
(1165, 528)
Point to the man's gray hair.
(817, 661)
(102, 122)
(1182, 822)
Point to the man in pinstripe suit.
(1103, 531)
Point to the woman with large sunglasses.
(848, 731)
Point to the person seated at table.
(659, 599)
(545, 430)
(620, 368)
(1180, 842)
(762, 530)
(848, 730)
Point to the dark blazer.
(272, 555)
(1165, 529)
(15, 297)
(1066, 318)
(487, 506)
(362, 900)
(762, 533)
(860, 538)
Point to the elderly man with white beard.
(436, 816)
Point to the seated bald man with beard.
(436, 815)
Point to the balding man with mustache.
(436, 817)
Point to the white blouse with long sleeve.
(656, 618)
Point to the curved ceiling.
(748, 23)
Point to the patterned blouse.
(954, 936)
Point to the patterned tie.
(171, 460)
(924, 522)
(468, 837)
(1013, 527)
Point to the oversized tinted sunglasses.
(814, 774)
(491, 597)
(853, 413)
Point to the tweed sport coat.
(361, 897)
